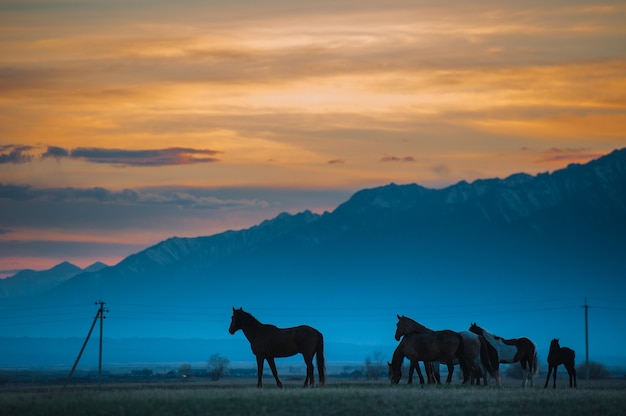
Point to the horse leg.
(436, 374)
(571, 371)
(554, 376)
(411, 368)
(548, 378)
(259, 371)
(310, 375)
(432, 372)
(524, 374)
(450, 371)
(416, 365)
(270, 361)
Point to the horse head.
(554, 344)
(400, 331)
(476, 329)
(394, 374)
(235, 321)
(407, 325)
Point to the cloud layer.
(185, 99)
(116, 157)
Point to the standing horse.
(406, 325)
(268, 342)
(561, 355)
(489, 360)
(513, 350)
(431, 346)
(471, 343)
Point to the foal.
(560, 355)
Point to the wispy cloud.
(181, 197)
(390, 158)
(121, 157)
(15, 154)
(580, 155)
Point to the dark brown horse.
(406, 325)
(445, 346)
(479, 362)
(521, 350)
(561, 355)
(268, 342)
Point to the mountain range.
(383, 248)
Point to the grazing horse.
(561, 355)
(513, 350)
(268, 342)
(431, 346)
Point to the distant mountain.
(96, 267)
(31, 282)
(383, 242)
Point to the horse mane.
(246, 316)
(484, 331)
(414, 323)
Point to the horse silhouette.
(561, 355)
(514, 350)
(443, 346)
(268, 342)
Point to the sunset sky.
(123, 123)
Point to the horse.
(510, 351)
(489, 360)
(443, 346)
(472, 347)
(561, 355)
(407, 325)
(268, 342)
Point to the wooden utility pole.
(99, 314)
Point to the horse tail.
(319, 353)
(535, 363)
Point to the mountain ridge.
(517, 202)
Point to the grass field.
(240, 397)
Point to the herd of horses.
(478, 352)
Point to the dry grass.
(337, 398)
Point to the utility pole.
(101, 311)
(586, 307)
(99, 314)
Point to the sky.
(123, 123)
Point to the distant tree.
(375, 366)
(596, 371)
(217, 366)
(185, 371)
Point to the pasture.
(338, 397)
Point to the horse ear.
(398, 316)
